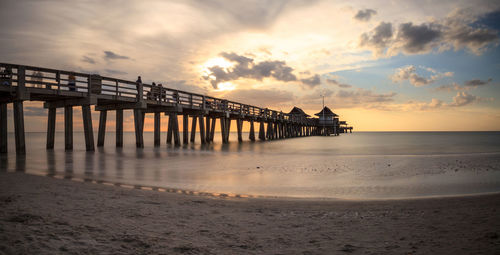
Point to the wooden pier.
(67, 89)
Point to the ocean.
(361, 165)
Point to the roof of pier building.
(326, 112)
(297, 111)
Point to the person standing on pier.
(71, 82)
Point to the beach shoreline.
(47, 215)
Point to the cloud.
(409, 73)
(468, 85)
(114, 72)
(338, 84)
(109, 55)
(312, 81)
(477, 82)
(365, 15)
(261, 97)
(456, 31)
(418, 38)
(378, 39)
(245, 67)
(88, 59)
(464, 98)
(451, 87)
(422, 106)
(351, 98)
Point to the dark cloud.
(88, 59)
(109, 55)
(378, 39)
(114, 72)
(261, 97)
(338, 84)
(365, 15)
(418, 38)
(312, 81)
(245, 67)
(456, 31)
(477, 82)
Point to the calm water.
(351, 166)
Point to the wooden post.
(19, 127)
(262, 134)
(251, 136)
(207, 127)
(87, 128)
(169, 130)
(175, 129)
(185, 126)
(193, 129)
(239, 124)
(3, 128)
(119, 128)
(228, 129)
(51, 128)
(101, 133)
(138, 117)
(68, 127)
(223, 129)
(212, 129)
(157, 126)
(202, 130)
(268, 131)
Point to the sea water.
(361, 165)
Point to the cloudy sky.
(381, 65)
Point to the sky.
(380, 65)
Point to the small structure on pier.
(328, 121)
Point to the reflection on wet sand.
(305, 167)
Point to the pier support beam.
(228, 120)
(3, 128)
(185, 126)
(207, 127)
(170, 129)
(239, 126)
(87, 128)
(193, 129)
(51, 128)
(212, 129)
(157, 126)
(101, 133)
(262, 133)
(138, 120)
(119, 128)
(202, 130)
(68, 127)
(19, 127)
(175, 129)
(251, 136)
(223, 129)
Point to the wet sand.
(42, 215)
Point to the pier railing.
(69, 83)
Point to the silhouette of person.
(71, 82)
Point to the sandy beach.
(42, 215)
